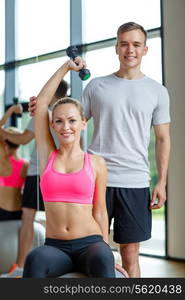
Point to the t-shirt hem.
(126, 185)
(160, 122)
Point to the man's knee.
(129, 250)
(130, 258)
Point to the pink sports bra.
(15, 179)
(77, 187)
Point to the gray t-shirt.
(123, 112)
(33, 165)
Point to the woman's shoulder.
(97, 161)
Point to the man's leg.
(130, 258)
(132, 224)
(25, 235)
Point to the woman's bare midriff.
(68, 221)
(10, 198)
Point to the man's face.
(131, 48)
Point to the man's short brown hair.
(131, 26)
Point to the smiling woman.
(68, 124)
(73, 186)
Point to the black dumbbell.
(16, 101)
(72, 52)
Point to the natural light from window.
(31, 78)
(102, 18)
(2, 31)
(42, 26)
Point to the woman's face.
(67, 123)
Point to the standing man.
(32, 197)
(124, 105)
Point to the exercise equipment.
(73, 52)
(16, 101)
(9, 237)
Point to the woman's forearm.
(46, 94)
(6, 116)
(102, 220)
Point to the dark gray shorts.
(132, 217)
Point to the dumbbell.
(72, 52)
(16, 101)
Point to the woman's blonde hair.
(69, 100)
(12, 130)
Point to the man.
(32, 197)
(124, 106)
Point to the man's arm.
(162, 134)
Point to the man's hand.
(158, 196)
(32, 105)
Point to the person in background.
(13, 171)
(32, 197)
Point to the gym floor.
(158, 267)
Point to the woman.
(13, 171)
(73, 187)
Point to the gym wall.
(174, 74)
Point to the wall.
(174, 72)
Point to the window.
(2, 31)
(102, 18)
(42, 26)
(2, 85)
(31, 78)
(25, 150)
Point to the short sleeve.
(161, 114)
(86, 100)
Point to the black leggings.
(89, 255)
(6, 215)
